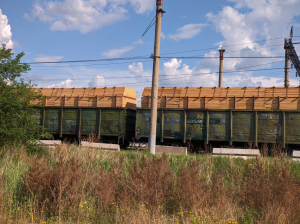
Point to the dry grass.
(69, 184)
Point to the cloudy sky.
(110, 32)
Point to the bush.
(16, 123)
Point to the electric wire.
(63, 66)
(149, 26)
(118, 77)
(116, 59)
(149, 59)
(91, 60)
(226, 46)
(148, 76)
(249, 57)
(142, 57)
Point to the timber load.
(258, 98)
(89, 97)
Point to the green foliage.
(70, 184)
(17, 125)
(249, 217)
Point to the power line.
(143, 57)
(249, 57)
(93, 60)
(163, 59)
(187, 74)
(248, 49)
(116, 59)
(62, 66)
(195, 74)
(259, 65)
(256, 48)
(226, 46)
(150, 25)
(167, 79)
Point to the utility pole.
(287, 68)
(155, 76)
(221, 67)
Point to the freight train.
(186, 116)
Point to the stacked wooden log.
(259, 98)
(89, 97)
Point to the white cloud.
(46, 58)
(264, 20)
(142, 6)
(187, 31)
(82, 15)
(171, 68)
(140, 42)
(85, 15)
(252, 81)
(66, 84)
(176, 74)
(115, 53)
(136, 69)
(28, 17)
(97, 81)
(5, 31)
(35, 77)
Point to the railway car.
(223, 116)
(177, 126)
(108, 113)
(201, 116)
(110, 125)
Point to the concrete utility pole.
(155, 76)
(287, 68)
(221, 67)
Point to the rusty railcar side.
(108, 124)
(256, 126)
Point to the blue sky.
(66, 30)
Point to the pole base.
(152, 143)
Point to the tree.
(17, 123)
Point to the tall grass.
(70, 184)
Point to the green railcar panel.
(113, 122)
(195, 125)
(173, 124)
(143, 123)
(269, 127)
(89, 123)
(38, 116)
(243, 128)
(70, 121)
(130, 124)
(219, 126)
(122, 122)
(52, 120)
(110, 122)
(138, 124)
(292, 128)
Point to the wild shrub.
(2, 189)
(106, 186)
(151, 182)
(264, 151)
(192, 194)
(273, 193)
(56, 190)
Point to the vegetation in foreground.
(18, 122)
(69, 184)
